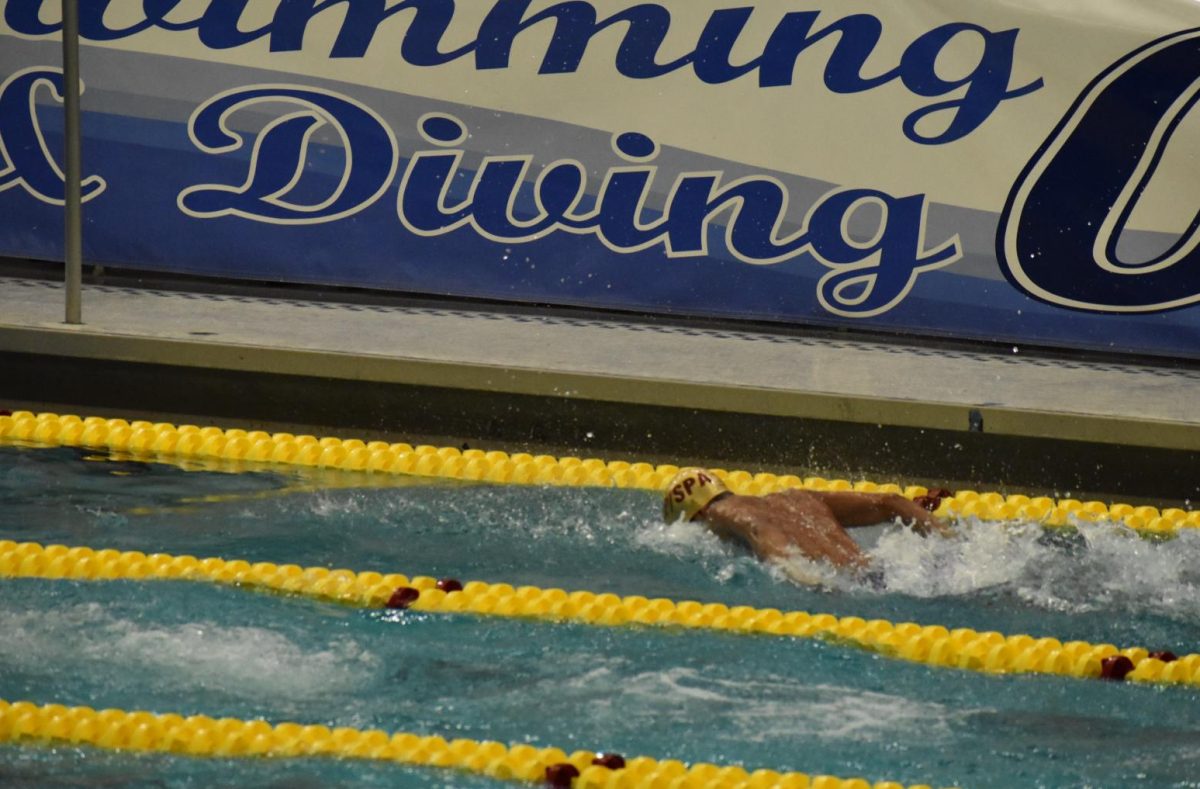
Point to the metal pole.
(72, 157)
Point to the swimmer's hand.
(805, 572)
(801, 571)
(932, 524)
(924, 521)
(932, 499)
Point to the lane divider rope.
(165, 440)
(963, 648)
(200, 735)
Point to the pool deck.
(618, 361)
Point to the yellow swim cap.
(690, 491)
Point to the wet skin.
(812, 523)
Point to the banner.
(1024, 171)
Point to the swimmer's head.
(689, 492)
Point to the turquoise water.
(759, 701)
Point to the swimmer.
(809, 523)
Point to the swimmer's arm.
(867, 509)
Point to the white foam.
(325, 504)
(201, 653)
(692, 542)
(979, 556)
(240, 658)
(770, 708)
(801, 570)
(679, 539)
(1105, 566)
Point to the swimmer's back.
(779, 525)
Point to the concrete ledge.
(840, 404)
(1050, 421)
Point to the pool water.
(784, 704)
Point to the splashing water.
(1094, 567)
(1099, 566)
(692, 543)
(802, 704)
